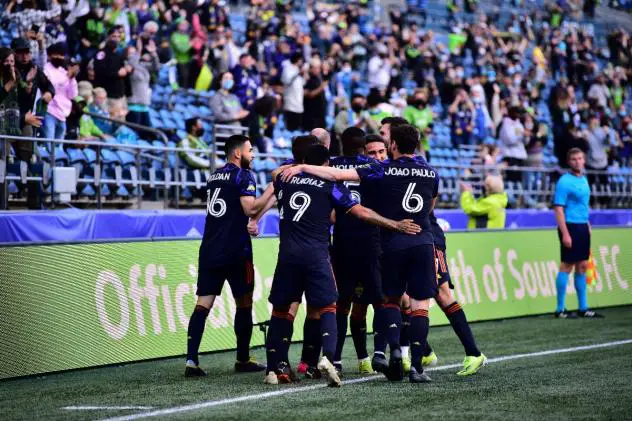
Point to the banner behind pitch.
(72, 306)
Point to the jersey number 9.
(299, 201)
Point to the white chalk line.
(100, 408)
(283, 392)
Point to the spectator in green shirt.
(419, 114)
(489, 211)
(195, 131)
(181, 48)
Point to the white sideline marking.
(283, 392)
(98, 408)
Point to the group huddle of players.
(387, 250)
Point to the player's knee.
(282, 312)
(405, 301)
(419, 304)
(359, 312)
(566, 268)
(581, 267)
(313, 313)
(245, 301)
(444, 297)
(205, 301)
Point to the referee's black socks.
(459, 323)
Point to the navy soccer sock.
(393, 323)
(328, 331)
(195, 332)
(243, 332)
(419, 324)
(379, 336)
(358, 333)
(311, 342)
(457, 319)
(278, 338)
(342, 320)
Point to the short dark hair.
(296, 57)
(573, 151)
(352, 141)
(234, 142)
(394, 121)
(374, 138)
(406, 138)
(317, 155)
(300, 145)
(190, 123)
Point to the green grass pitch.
(590, 384)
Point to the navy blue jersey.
(226, 236)
(437, 231)
(406, 187)
(350, 233)
(305, 205)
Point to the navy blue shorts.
(240, 276)
(580, 250)
(443, 271)
(358, 277)
(411, 270)
(293, 277)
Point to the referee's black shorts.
(580, 249)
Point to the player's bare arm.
(252, 206)
(326, 173)
(406, 226)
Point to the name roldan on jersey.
(220, 176)
(309, 181)
(415, 172)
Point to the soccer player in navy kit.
(571, 204)
(474, 359)
(407, 187)
(226, 252)
(355, 256)
(306, 203)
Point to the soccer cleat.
(406, 364)
(302, 367)
(271, 378)
(364, 366)
(250, 366)
(284, 373)
(472, 364)
(313, 373)
(564, 314)
(193, 370)
(589, 314)
(329, 371)
(415, 376)
(395, 372)
(429, 360)
(379, 363)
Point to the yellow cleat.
(471, 365)
(364, 366)
(430, 360)
(406, 364)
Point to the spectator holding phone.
(63, 79)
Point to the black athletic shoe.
(418, 376)
(379, 363)
(194, 371)
(284, 373)
(250, 366)
(313, 373)
(589, 314)
(565, 314)
(395, 372)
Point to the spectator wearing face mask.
(419, 114)
(111, 71)
(91, 33)
(247, 81)
(65, 86)
(226, 106)
(195, 131)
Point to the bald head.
(322, 135)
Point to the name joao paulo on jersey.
(415, 172)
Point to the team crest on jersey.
(100, 55)
(251, 187)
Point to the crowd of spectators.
(345, 68)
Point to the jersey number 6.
(214, 202)
(412, 202)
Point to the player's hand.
(290, 172)
(465, 187)
(407, 226)
(253, 228)
(567, 241)
(279, 170)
